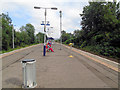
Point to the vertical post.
(44, 50)
(13, 35)
(71, 42)
(60, 29)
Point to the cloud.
(24, 11)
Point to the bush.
(83, 44)
(67, 41)
(110, 51)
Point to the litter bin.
(29, 73)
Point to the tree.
(29, 28)
(0, 33)
(26, 35)
(22, 28)
(39, 37)
(65, 36)
(6, 32)
(101, 28)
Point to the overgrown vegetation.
(100, 29)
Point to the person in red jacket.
(49, 46)
(47, 49)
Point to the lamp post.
(13, 35)
(53, 8)
(60, 29)
(12, 32)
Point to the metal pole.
(71, 42)
(44, 46)
(60, 29)
(13, 35)
(44, 51)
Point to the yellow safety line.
(109, 66)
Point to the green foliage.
(100, 29)
(18, 47)
(30, 31)
(0, 34)
(40, 38)
(83, 44)
(6, 32)
(65, 36)
(25, 37)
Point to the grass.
(18, 47)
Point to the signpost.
(46, 24)
(53, 8)
(44, 50)
(60, 29)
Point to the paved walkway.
(58, 70)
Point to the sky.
(23, 12)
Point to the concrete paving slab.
(58, 70)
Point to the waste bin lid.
(28, 60)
